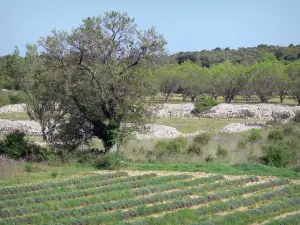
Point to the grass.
(14, 116)
(221, 168)
(146, 198)
(192, 124)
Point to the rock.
(29, 127)
(255, 111)
(161, 131)
(13, 108)
(240, 127)
(175, 110)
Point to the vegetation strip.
(289, 220)
(144, 210)
(123, 203)
(181, 217)
(255, 215)
(89, 192)
(51, 184)
(87, 185)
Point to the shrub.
(255, 135)
(17, 98)
(275, 135)
(209, 158)
(277, 154)
(15, 146)
(202, 139)
(208, 101)
(287, 129)
(175, 145)
(29, 168)
(183, 141)
(194, 148)
(109, 161)
(242, 144)
(222, 152)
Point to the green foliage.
(255, 135)
(275, 135)
(209, 158)
(277, 154)
(172, 146)
(195, 148)
(208, 101)
(287, 129)
(16, 147)
(28, 167)
(4, 99)
(109, 161)
(222, 152)
(202, 139)
(17, 98)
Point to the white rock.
(240, 127)
(29, 127)
(175, 110)
(13, 108)
(248, 111)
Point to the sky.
(187, 25)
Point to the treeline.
(267, 78)
(243, 56)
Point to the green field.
(152, 197)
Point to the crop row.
(289, 220)
(88, 192)
(142, 210)
(88, 185)
(91, 208)
(258, 214)
(115, 195)
(63, 183)
(220, 207)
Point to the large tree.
(293, 71)
(229, 79)
(266, 77)
(107, 62)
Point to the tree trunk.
(228, 99)
(263, 99)
(298, 101)
(215, 97)
(281, 98)
(193, 98)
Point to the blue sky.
(188, 25)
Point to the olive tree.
(293, 71)
(266, 77)
(103, 68)
(229, 79)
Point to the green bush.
(209, 158)
(16, 147)
(287, 129)
(255, 135)
(109, 161)
(194, 148)
(17, 98)
(277, 154)
(208, 101)
(175, 145)
(202, 139)
(275, 135)
(222, 152)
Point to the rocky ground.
(13, 108)
(240, 127)
(255, 111)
